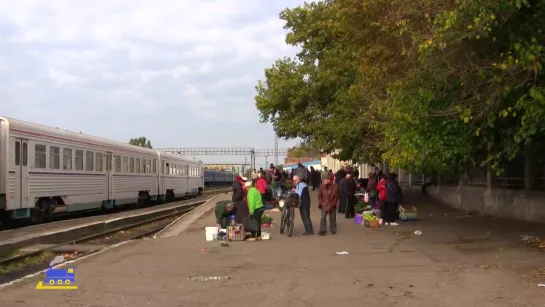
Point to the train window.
(148, 167)
(125, 165)
(131, 165)
(137, 165)
(143, 169)
(54, 157)
(99, 162)
(25, 154)
(162, 167)
(40, 156)
(66, 158)
(79, 160)
(17, 153)
(89, 161)
(154, 166)
(118, 164)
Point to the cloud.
(180, 72)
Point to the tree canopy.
(428, 85)
(141, 141)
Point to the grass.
(32, 260)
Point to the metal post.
(275, 149)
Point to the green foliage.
(141, 141)
(428, 85)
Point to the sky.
(180, 72)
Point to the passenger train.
(218, 177)
(45, 170)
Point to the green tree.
(141, 141)
(429, 85)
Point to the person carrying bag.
(255, 205)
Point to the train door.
(161, 174)
(187, 187)
(109, 175)
(21, 173)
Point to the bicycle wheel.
(283, 221)
(291, 222)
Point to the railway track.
(97, 212)
(36, 258)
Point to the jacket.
(328, 197)
(261, 185)
(372, 186)
(254, 200)
(301, 189)
(222, 213)
(381, 188)
(238, 192)
(393, 191)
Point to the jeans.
(332, 221)
(258, 213)
(305, 216)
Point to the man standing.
(301, 189)
(328, 198)
(371, 189)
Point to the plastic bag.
(366, 197)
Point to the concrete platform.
(385, 267)
(76, 228)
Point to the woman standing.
(381, 189)
(255, 205)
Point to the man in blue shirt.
(301, 189)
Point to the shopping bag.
(250, 224)
(365, 197)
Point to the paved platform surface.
(13, 236)
(456, 262)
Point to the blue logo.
(58, 279)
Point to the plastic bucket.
(358, 219)
(265, 235)
(211, 233)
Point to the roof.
(306, 164)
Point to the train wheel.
(59, 281)
(51, 282)
(67, 281)
(36, 215)
(47, 209)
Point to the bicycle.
(287, 205)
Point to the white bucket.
(265, 235)
(211, 233)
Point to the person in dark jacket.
(371, 190)
(393, 197)
(315, 178)
(347, 199)
(301, 189)
(238, 192)
(238, 199)
(328, 198)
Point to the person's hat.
(244, 179)
(248, 184)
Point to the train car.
(218, 177)
(180, 176)
(46, 170)
(60, 276)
